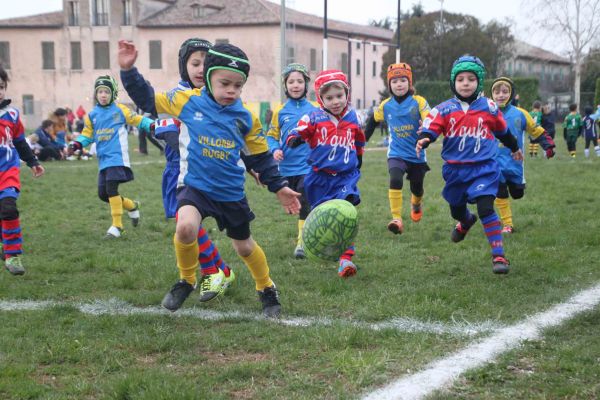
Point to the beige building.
(553, 71)
(54, 58)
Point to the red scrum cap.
(330, 76)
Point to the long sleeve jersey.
(13, 147)
(519, 123)
(589, 127)
(335, 144)
(403, 120)
(285, 119)
(106, 126)
(469, 130)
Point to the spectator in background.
(50, 149)
(549, 120)
(59, 118)
(70, 119)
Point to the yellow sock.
(187, 259)
(505, 211)
(395, 197)
(535, 148)
(300, 226)
(128, 204)
(116, 211)
(415, 200)
(259, 269)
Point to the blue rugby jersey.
(335, 144)
(11, 131)
(210, 141)
(519, 122)
(469, 130)
(106, 126)
(589, 127)
(403, 120)
(285, 119)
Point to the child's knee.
(485, 206)
(244, 247)
(8, 209)
(186, 232)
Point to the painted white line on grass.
(118, 307)
(442, 373)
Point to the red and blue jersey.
(11, 132)
(335, 144)
(469, 130)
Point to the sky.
(361, 11)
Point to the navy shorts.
(169, 189)
(232, 216)
(296, 183)
(321, 186)
(414, 171)
(117, 174)
(466, 182)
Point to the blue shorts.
(510, 169)
(169, 189)
(466, 182)
(9, 192)
(321, 186)
(233, 216)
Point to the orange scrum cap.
(399, 70)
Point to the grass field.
(417, 297)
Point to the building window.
(313, 59)
(374, 103)
(155, 54)
(101, 55)
(344, 66)
(100, 12)
(73, 10)
(126, 12)
(374, 48)
(76, 55)
(357, 67)
(48, 55)
(199, 11)
(358, 45)
(5, 54)
(374, 68)
(358, 104)
(222, 41)
(290, 55)
(28, 104)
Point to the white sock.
(586, 152)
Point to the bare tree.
(576, 20)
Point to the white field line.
(117, 307)
(441, 373)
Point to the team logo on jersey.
(414, 113)
(198, 116)
(493, 106)
(116, 117)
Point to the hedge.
(437, 91)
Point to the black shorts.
(414, 171)
(232, 216)
(117, 174)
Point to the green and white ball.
(329, 229)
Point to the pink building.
(54, 58)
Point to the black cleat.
(460, 231)
(177, 295)
(500, 265)
(269, 297)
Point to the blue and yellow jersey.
(285, 118)
(403, 120)
(519, 123)
(210, 141)
(106, 126)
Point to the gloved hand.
(74, 147)
(294, 141)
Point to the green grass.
(60, 353)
